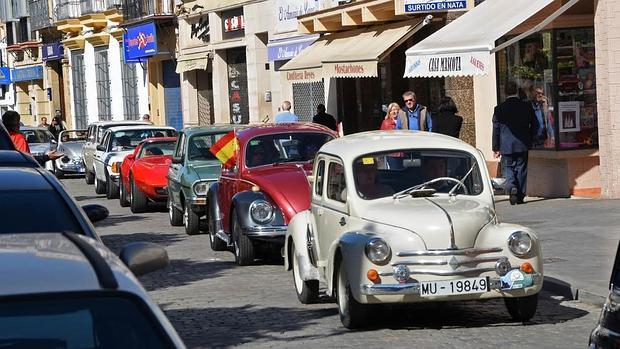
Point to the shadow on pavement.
(88, 197)
(114, 220)
(116, 241)
(181, 272)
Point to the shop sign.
(140, 41)
(302, 75)
(351, 70)
(200, 30)
(238, 93)
(5, 76)
(27, 74)
(423, 6)
(233, 23)
(472, 63)
(53, 52)
(287, 12)
(289, 48)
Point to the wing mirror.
(144, 257)
(100, 148)
(96, 213)
(130, 156)
(177, 160)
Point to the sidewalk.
(579, 239)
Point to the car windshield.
(379, 175)
(79, 321)
(284, 147)
(37, 136)
(73, 136)
(199, 146)
(129, 139)
(35, 211)
(157, 148)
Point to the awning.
(192, 61)
(464, 46)
(285, 49)
(350, 54)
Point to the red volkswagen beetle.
(254, 199)
(143, 173)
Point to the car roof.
(139, 127)
(118, 122)
(29, 128)
(23, 178)
(33, 263)
(13, 158)
(254, 130)
(352, 146)
(215, 128)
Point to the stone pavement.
(579, 239)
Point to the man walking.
(285, 115)
(514, 127)
(323, 118)
(414, 116)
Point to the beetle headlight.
(378, 251)
(261, 211)
(520, 243)
(201, 188)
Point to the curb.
(568, 291)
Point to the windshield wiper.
(451, 192)
(419, 187)
(291, 159)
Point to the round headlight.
(520, 243)
(201, 188)
(261, 211)
(378, 251)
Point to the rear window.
(37, 136)
(79, 321)
(129, 139)
(36, 211)
(157, 148)
(199, 146)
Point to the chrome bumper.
(265, 232)
(413, 288)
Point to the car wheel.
(352, 313)
(111, 189)
(176, 218)
(244, 250)
(59, 173)
(191, 221)
(216, 243)
(100, 188)
(137, 199)
(89, 177)
(122, 197)
(522, 308)
(307, 291)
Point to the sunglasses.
(409, 100)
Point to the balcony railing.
(39, 14)
(92, 6)
(67, 9)
(136, 9)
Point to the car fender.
(349, 248)
(242, 201)
(297, 232)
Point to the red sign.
(234, 23)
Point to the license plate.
(454, 287)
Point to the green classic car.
(193, 169)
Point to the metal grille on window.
(306, 96)
(205, 97)
(130, 90)
(79, 90)
(102, 75)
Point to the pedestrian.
(285, 115)
(446, 121)
(514, 127)
(414, 116)
(56, 127)
(390, 119)
(323, 118)
(147, 118)
(43, 123)
(540, 103)
(11, 121)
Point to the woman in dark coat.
(446, 121)
(56, 127)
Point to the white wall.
(91, 81)
(116, 80)
(485, 100)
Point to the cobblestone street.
(214, 303)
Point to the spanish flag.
(226, 148)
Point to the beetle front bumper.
(274, 232)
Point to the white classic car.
(406, 217)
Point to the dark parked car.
(607, 332)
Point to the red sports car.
(143, 173)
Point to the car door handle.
(320, 211)
(342, 222)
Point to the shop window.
(79, 89)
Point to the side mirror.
(177, 160)
(96, 212)
(130, 156)
(100, 147)
(144, 257)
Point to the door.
(175, 171)
(317, 209)
(204, 90)
(334, 219)
(172, 94)
(89, 147)
(99, 158)
(229, 185)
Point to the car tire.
(111, 189)
(522, 308)
(122, 196)
(137, 199)
(243, 247)
(191, 221)
(307, 291)
(100, 188)
(352, 313)
(59, 173)
(175, 216)
(216, 243)
(89, 177)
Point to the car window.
(336, 183)
(91, 133)
(37, 136)
(105, 139)
(284, 147)
(80, 321)
(26, 209)
(129, 139)
(156, 148)
(379, 175)
(73, 136)
(318, 178)
(199, 147)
